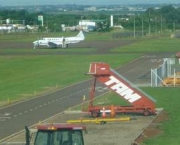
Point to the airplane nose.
(35, 42)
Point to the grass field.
(29, 37)
(52, 51)
(26, 76)
(167, 98)
(152, 45)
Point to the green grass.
(160, 44)
(24, 75)
(167, 98)
(30, 37)
(27, 37)
(47, 50)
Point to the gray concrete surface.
(119, 133)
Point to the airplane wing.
(54, 44)
(69, 41)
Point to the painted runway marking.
(155, 60)
(5, 116)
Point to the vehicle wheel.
(94, 114)
(146, 113)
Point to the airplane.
(59, 41)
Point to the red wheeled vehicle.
(57, 134)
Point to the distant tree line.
(153, 20)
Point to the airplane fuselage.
(47, 41)
(58, 41)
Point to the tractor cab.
(57, 134)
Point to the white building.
(9, 26)
(87, 25)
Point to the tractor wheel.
(94, 114)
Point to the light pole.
(149, 24)
(81, 21)
(134, 27)
(142, 27)
(161, 24)
(174, 27)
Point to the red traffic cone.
(103, 113)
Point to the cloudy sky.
(84, 2)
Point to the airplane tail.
(81, 35)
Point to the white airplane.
(59, 41)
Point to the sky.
(83, 2)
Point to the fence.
(168, 69)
